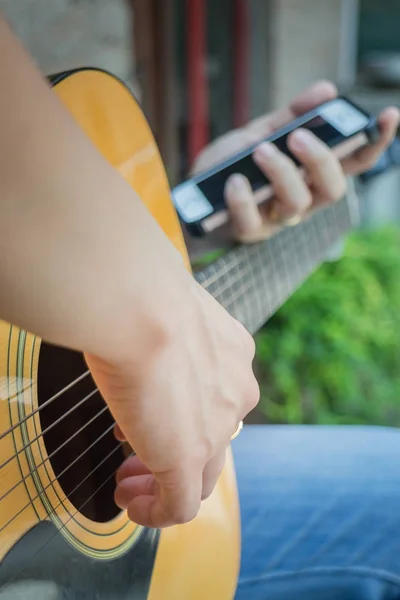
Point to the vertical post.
(241, 62)
(198, 116)
(153, 40)
(144, 56)
(166, 89)
(348, 42)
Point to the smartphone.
(340, 123)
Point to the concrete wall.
(61, 34)
(309, 40)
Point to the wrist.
(146, 318)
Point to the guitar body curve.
(58, 454)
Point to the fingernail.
(265, 150)
(121, 498)
(238, 182)
(302, 139)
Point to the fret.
(273, 285)
(235, 278)
(253, 281)
(286, 251)
(302, 259)
(250, 300)
(267, 278)
(228, 280)
(285, 255)
(232, 259)
(313, 245)
(245, 288)
(264, 272)
(325, 233)
(236, 303)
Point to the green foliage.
(332, 353)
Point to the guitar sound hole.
(88, 457)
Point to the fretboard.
(253, 281)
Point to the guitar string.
(55, 396)
(235, 296)
(50, 456)
(244, 260)
(46, 403)
(282, 254)
(239, 253)
(56, 478)
(26, 446)
(246, 252)
(56, 422)
(56, 533)
(8, 583)
(268, 246)
(233, 299)
(232, 258)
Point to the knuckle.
(239, 201)
(201, 455)
(323, 159)
(251, 345)
(185, 514)
(252, 394)
(198, 455)
(337, 192)
(303, 201)
(246, 339)
(296, 198)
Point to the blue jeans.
(320, 509)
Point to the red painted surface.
(198, 110)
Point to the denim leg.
(320, 510)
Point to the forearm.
(77, 247)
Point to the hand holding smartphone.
(339, 123)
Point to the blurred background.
(202, 67)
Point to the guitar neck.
(253, 281)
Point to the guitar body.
(61, 535)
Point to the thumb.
(163, 499)
(316, 94)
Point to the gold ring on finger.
(238, 430)
(277, 219)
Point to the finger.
(132, 487)
(292, 194)
(245, 216)
(126, 448)
(211, 474)
(130, 467)
(366, 158)
(118, 434)
(177, 501)
(323, 168)
(316, 94)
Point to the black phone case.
(212, 182)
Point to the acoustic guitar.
(61, 535)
